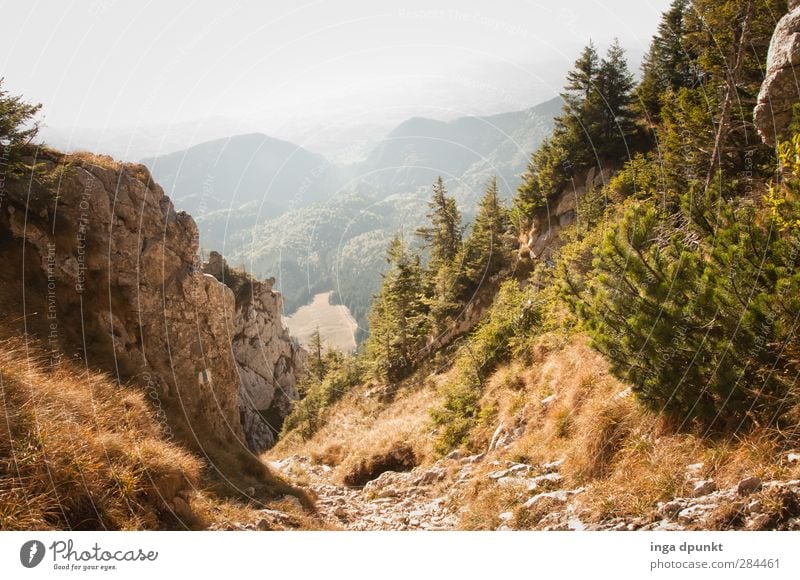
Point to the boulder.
(704, 487)
(130, 297)
(781, 87)
(748, 485)
(268, 360)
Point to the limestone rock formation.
(101, 267)
(543, 237)
(267, 358)
(781, 88)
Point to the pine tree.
(613, 100)
(398, 320)
(486, 249)
(17, 127)
(443, 237)
(316, 364)
(577, 128)
(597, 120)
(730, 39)
(667, 67)
(582, 78)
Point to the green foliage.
(597, 123)
(442, 239)
(640, 177)
(513, 315)
(316, 361)
(613, 105)
(547, 173)
(443, 236)
(690, 290)
(398, 320)
(17, 128)
(340, 373)
(486, 250)
(696, 312)
(667, 67)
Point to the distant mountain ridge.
(227, 184)
(242, 169)
(281, 210)
(420, 149)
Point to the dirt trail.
(421, 499)
(432, 498)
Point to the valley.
(279, 210)
(336, 326)
(582, 315)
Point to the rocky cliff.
(781, 88)
(267, 358)
(102, 268)
(560, 212)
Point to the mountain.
(468, 148)
(229, 183)
(339, 244)
(281, 210)
(137, 142)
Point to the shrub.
(503, 330)
(697, 309)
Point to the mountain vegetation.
(279, 210)
(641, 373)
(679, 268)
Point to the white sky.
(116, 63)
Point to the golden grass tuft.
(362, 428)
(628, 460)
(79, 452)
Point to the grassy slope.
(557, 401)
(79, 452)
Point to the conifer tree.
(577, 127)
(613, 100)
(667, 67)
(727, 38)
(486, 249)
(398, 320)
(443, 236)
(596, 122)
(17, 127)
(316, 363)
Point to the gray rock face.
(543, 237)
(111, 273)
(113, 267)
(781, 87)
(267, 359)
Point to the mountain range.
(280, 210)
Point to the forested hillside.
(653, 225)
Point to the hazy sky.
(107, 63)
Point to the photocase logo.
(31, 553)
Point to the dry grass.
(363, 428)
(569, 407)
(78, 452)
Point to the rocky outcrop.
(781, 87)
(561, 211)
(267, 358)
(102, 268)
